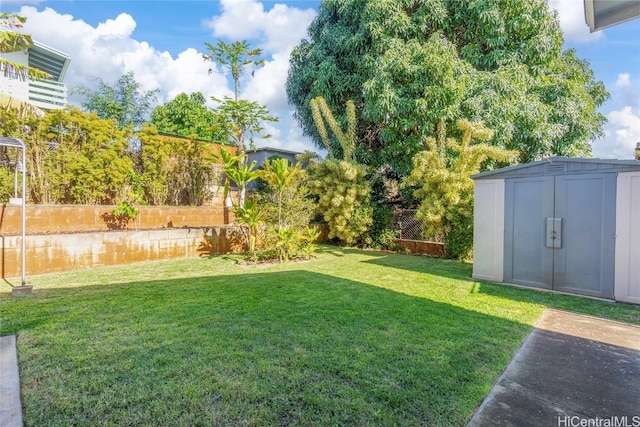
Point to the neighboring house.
(260, 155)
(46, 94)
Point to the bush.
(441, 179)
(6, 184)
(288, 208)
(343, 198)
(125, 212)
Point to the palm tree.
(279, 174)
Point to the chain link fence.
(410, 228)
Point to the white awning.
(11, 142)
(601, 14)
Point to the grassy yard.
(350, 338)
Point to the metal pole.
(24, 214)
(15, 180)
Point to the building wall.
(48, 94)
(488, 230)
(627, 250)
(64, 237)
(45, 93)
(12, 85)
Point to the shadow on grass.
(422, 264)
(275, 348)
(580, 304)
(462, 271)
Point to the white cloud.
(622, 132)
(277, 31)
(109, 50)
(623, 81)
(572, 21)
(268, 85)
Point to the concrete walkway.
(572, 370)
(10, 407)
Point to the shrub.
(442, 179)
(124, 212)
(343, 198)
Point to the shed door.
(579, 211)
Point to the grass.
(351, 338)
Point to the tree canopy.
(415, 67)
(125, 101)
(188, 115)
(235, 57)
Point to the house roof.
(274, 150)
(601, 14)
(561, 166)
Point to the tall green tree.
(415, 67)
(73, 157)
(125, 101)
(235, 57)
(188, 115)
(242, 118)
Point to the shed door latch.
(554, 233)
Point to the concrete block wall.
(73, 218)
(58, 252)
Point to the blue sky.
(162, 43)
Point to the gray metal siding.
(585, 263)
(582, 207)
(528, 201)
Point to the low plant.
(309, 237)
(287, 243)
(343, 198)
(251, 217)
(124, 212)
(386, 239)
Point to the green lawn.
(350, 338)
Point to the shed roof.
(561, 166)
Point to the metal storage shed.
(567, 224)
